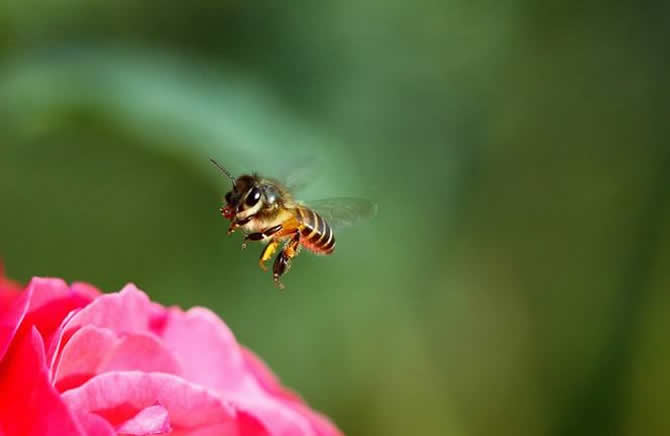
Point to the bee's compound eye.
(228, 197)
(253, 197)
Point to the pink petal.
(55, 345)
(276, 417)
(29, 405)
(229, 429)
(46, 290)
(140, 352)
(82, 355)
(85, 289)
(206, 348)
(94, 425)
(11, 318)
(320, 423)
(246, 425)
(94, 350)
(266, 377)
(51, 302)
(221, 365)
(6, 296)
(269, 381)
(118, 396)
(125, 312)
(152, 420)
(251, 426)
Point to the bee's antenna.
(223, 170)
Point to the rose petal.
(266, 378)
(82, 355)
(140, 352)
(85, 289)
(229, 429)
(46, 290)
(152, 420)
(11, 318)
(29, 405)
(222, 365)
(6, 296)
(94, 338)
(278, 418)
(95, 425)
(7, 293)
(199, 332)
(124, 312)
(269, 381)
(320, 423)
(55, 345)
(118, 396)
(93, 350)
(251, 426)
(246, 426)
(51, 302)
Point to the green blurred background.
(515, 281)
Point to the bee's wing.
(302, 175)
(344, 211)
(298, 175)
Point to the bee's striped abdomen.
(316, 234)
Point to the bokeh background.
(515, 281)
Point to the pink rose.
(74, 361)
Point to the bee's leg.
(234, 223)
(279, 268)
(292, 246)
(283, 260)
(261, 235)
(267, 253)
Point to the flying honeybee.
(265, 210)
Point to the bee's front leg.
(259, 236)
(283, 260)
(234, 223)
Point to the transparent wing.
(296, 175)
(344, 211)
(302, 175)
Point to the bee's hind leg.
(267, 253)
(283, 260)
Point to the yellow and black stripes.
(316, 234)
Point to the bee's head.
(248, 196)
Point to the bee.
(265, 211)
